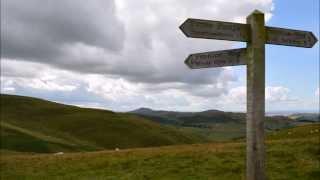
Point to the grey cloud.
(140, 42)
(39, 29)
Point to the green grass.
(293, 156)
(218, 132)
(20, 140)
(34, 125)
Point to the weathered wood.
(290, 37)
(232, 57)
(207, 29)
(256, 97)
(197, 28)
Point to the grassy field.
(292, 154)
(34, 125)
(219, 132)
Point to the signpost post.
(256, 34)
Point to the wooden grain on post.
(256, 97)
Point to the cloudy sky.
(124, 54)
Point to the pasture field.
(291, 154)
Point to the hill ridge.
(25, 119)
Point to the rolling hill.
(33, 130)
(35, 125)
(190, 118)
(207, 118)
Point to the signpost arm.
(256, 97)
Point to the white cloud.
(90, 105)
(111, 88)
(317, 92)
(34, 75)
(50, 85)
(122, 95)
(277, 94)
(7, 86)
(237, 95)
(274, 96)
(117, 92)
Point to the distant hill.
(207, 118)
(190, 118)
(214, 124)
(306, 117)
(35, 125)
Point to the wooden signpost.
(256, 34)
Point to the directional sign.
(290, 37)
(232, 57)
(197, 28)
(256, 35)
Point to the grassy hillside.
(291, 154)
(34, 125)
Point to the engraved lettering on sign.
(290, 37)
(216, 59)
(215, 30)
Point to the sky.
(122, 55)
